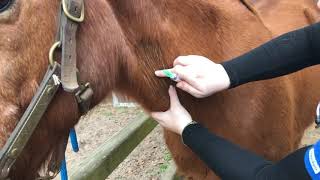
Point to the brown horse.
(121, 43)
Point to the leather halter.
(71, 13)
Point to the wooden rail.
(100, 163)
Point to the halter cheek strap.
(71, 13)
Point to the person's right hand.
(199, 76)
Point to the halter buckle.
(70, 16)
(83, 97)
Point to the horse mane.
(156, 32)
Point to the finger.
(184, 75)
(189, 89)
(183, 61)
(174, 100)
(160, 73)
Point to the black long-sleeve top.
(286, 54)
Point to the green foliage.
(167, 156)
(164, 166)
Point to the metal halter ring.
(51, 52)
(73, 18)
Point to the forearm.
(220, 155)
(230, 161)
(286, 54)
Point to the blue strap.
(63, 170)
(75, 147)
(74, 140)
(312, 161)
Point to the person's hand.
(198, 75)
(176, 118)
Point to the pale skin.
(199, 77)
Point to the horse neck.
(125, 41)
(101, 49)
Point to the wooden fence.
(105, 159)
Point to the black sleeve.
(230, 161)
(286, 54)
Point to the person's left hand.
(176, 118)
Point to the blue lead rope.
(63, 170)
(74, 140)
(75, 148)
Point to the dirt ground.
(148, 161)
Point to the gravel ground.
(148, 161)
(310, 136)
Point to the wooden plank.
(101, 163)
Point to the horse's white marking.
(9, 110)
(8, 113)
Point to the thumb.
(159, 116)
(160, 73)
